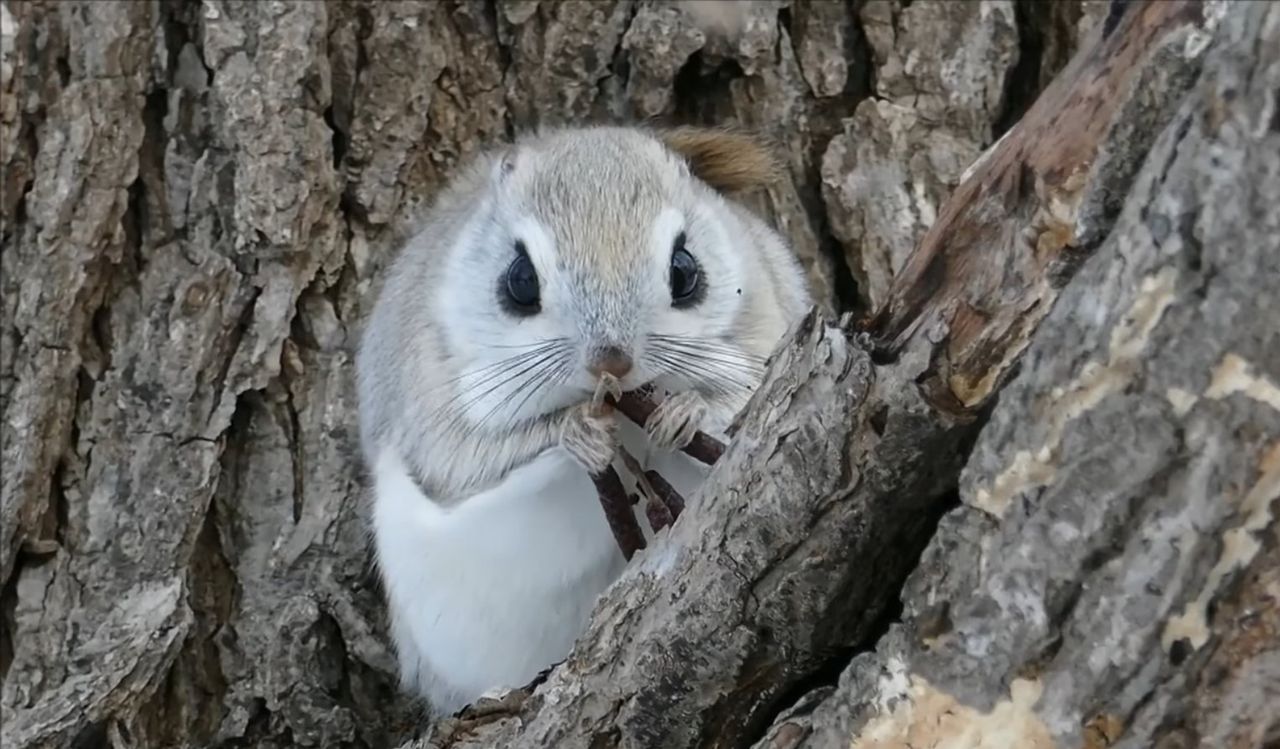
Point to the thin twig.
(655, 507)
(667, 493)
(613, 495)
(638, 407)
(663, 503)
(618, 512)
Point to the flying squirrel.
(543, 265)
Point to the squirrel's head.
(605, 249)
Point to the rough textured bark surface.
(1110, 576)
(942, 72)
(197, 199)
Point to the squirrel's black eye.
(686, 276)
(519, 291)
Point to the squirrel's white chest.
(490, 592)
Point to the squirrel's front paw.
(676, 420)
(588, 435)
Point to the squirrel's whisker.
(460, 405)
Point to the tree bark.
(197, 200)
(1109, 578)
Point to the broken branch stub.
(1035, 205)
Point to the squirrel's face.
(595, 251)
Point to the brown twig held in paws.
(613, 495)
(638, 406)
(663, 504)
(667, 493)
(617, 510)
(655, 506)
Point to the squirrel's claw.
(608, 385)
(676, 420)
(588, 435)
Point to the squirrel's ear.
(728, 160)
(504, 164)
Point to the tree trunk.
(1027, 502)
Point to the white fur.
(488, 593)
(499, 587)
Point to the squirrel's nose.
(610, 359)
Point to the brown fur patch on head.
(728, 160)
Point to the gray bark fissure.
(197, 200)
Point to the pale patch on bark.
(1239, 546)
(1235, 375)
(1095, 383)
(935, 719)
(1181, 400)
